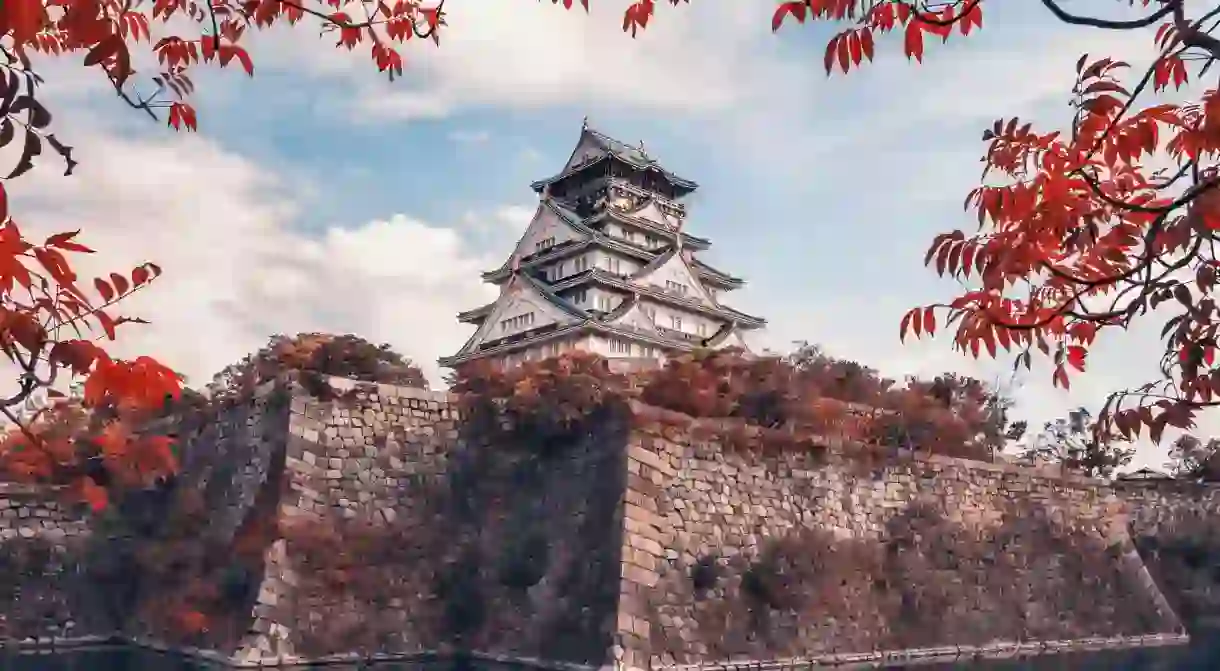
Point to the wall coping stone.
(932, 655)
(940, 654)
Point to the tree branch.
(1109, 24)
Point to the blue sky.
(320, 196)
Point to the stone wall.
(462, 544)
(35, 512)
(738, 548)
(229, 457)
(39, 539)
(651, 540)
(1176, 526)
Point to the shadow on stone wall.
(1183, 556)
(511, 549)
(927, 582)
(39, 590)
(182, 562)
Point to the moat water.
(1198, 657)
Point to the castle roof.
(598, 147)
(590, 237)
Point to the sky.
(318, 196)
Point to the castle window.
(676, 287)
(613, 265)
(545, 243)
(582, 264)
(620, 347)
(702, 329)
(676, 322)
(629, 236)
(518, 322)
(605, 303)
(580, 296)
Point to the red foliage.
(540, 399)
(88, 452)
(1080, 236)
(345, 356)
(806, 391)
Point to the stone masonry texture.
(651, 540)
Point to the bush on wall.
(542, 402)
(805, 391)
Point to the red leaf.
(120, 283)
(104, 49)
(243, 57)
(912, 42)
(829, 59)
(906, 323)
(929, 320)
(1060, 379)
(1076, 356)
(107, 324)
(25, 18)
(866, 43)
(64, 241)
(104, 289)
(796, 9)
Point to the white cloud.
(469, 136)
(236, 271)
(534, 54)
(516, 217)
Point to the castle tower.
(606, 266)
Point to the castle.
(605, 266)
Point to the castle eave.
(688, 240)
(679, 183)
(476, 315)
(604, 278)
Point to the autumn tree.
(53, 324)
(346, 356)
(1084, 229)
(1073, 443)
(1193, 459)
(982, 407)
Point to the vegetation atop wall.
(806, 391)
(317, 354)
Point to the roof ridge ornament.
(584, 123)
